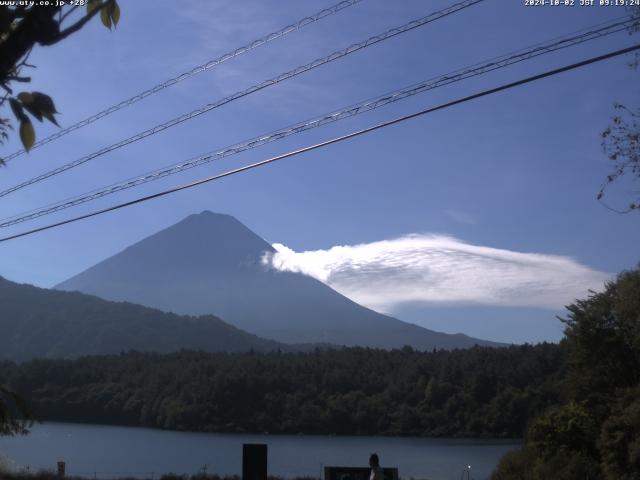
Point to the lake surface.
(118, 451)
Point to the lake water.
(118, 451)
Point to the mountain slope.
(211, 264)
(36, 322)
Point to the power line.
(194, 71)
(379, 126)
(255, 88)
(576, 38)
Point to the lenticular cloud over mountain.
(441, 269)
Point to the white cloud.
(440, 269)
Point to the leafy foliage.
(620, 438)
(599, 424)
(23, 26)
(621, 139)
(621, 143)
(15, 414)
(480, 392)
(564, 429)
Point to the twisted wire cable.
(255, 88)
(496, 63)
(325, 143)
(194, 71)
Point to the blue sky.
(510, 178)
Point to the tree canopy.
(15, 414)
(621, 139)
(24, 26)
(477, 392)
(595, 432)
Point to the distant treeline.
(478, 392)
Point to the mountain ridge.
(38, 322)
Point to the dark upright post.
(254, 461)
(61, 469)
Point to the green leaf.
(34, 111)
(92, 5)
(44, 102)
(51, 118)
(17, 109)
(39, 105)
(105, 17)
(115, 13)
(27, 134)
(26, 98)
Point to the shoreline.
(498, 440)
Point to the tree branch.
(81, 23)
(18, 79)
(69, 12)
(38, 26)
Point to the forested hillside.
(36, 322)
(595, 432)
(481, 391)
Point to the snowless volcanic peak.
(210, 263)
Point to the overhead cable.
(255, 88)
(188, 74)
(342, 138)
(346, 112)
